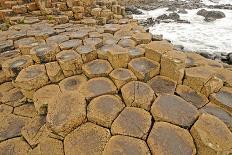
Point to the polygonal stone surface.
(138, 94)
(72, 84)
(162, 85)
(70, 44)
(211, 136)
(97, 87)
(11, 126)
(104, 109)
(24, 41)
(144, 68)
(86, 139)
(70, 62)
(6, 45)
(79, 35)
(126, 145)
(173, 109)
(118, 57)
(166, 138)
(102, 52)
(14, 97)
(188, 94)
(136, 52)
(121, 76)
(127, 43)
(155, 49)
(6, 109)
(57, 39)
(54, 71)
(223, 98)
(43, 97)
(97, 68)
(8, 55)
(32, 131)
(111, 28)
(13, 66)
(66, 113)
(96, 42)
(44, 53)
(142, 38)
(87, 52)
(134, 122)
(220, 113)
(15, 146)
(48, 146)
(25, 110)
(25, 47)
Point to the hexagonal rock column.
(220, 113)
(211, 136)
(104, 109)
(43, 97)
(96, 42)
(127, 43)
(138, 94)
(118, 57)
(87, 52)
(13, 66)
(11, 126)
(70, 44)
(162, 85)
(188, 94)
(97, 68)
(173, 109)
(72, 84)
(96, 87)
(54, 71)
(15, 146)
(223, 98)
(79, 35)
(202, 79)
(22, 43)
(142, 38)
(26, 46)
(70, 62)
(136, 52)
(134, 122)
(67, 111)
(173, 65)
(121, 76)
(166, 138)
(49, 146)
(126, 145)
(32, 78)
(155, 49)
(86, 139)
(144, 68)
(44, 53)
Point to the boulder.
(134, 122)
(138, 94)
(166, 138)
(86, 139)
(104, 109)
(211, 135)
(173, 109)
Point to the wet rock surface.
(88, 79)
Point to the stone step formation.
(81, 78)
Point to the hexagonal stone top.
(70, 44)
(97, 87)
(126, 145)
(32, 77)
(72, 84)
(173, 109)
(211, 135)
(86, 139)
(97, 68)
(121, 76)
(57, 39)
(66, 113)
(142, 38)
(138, 94)
(134, 122)
(223, 98)
(162, 85)
(166, 138)
(144, 68)
(104, 109)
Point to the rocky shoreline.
(89, 80)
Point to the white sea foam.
(199, 35)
